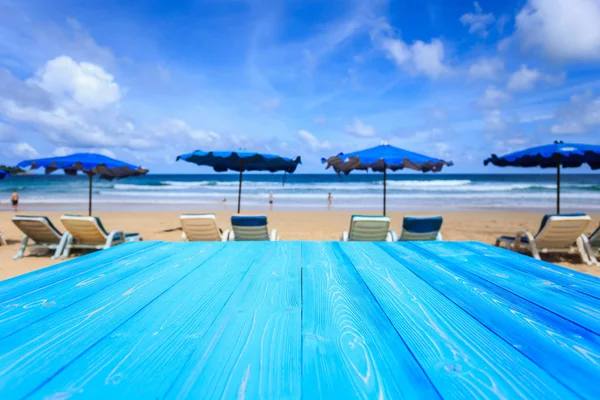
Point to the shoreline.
(482, 226)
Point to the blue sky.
(147, 80)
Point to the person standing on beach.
(329, 201)
(271, 201)
(14, 199)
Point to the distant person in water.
(329, 201)
(271, 201)
(14, 199)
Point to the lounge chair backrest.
(561, 231)
(368, 228)
(38, 229)
(88, 230)
(200, 227)
(595, 239)
(420, 228)
(250, 227)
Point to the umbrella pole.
(558, 184)
(240, 189)
(384, 187)
(90, 197)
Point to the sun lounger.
(368, 228)
(557, 234)
(251, 228)
(41, 232)
(420, 229)
(2, 241)
(201, 228)
(88, 233)
(592, 246)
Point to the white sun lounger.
(591, 245)
(42, 232)
(201, 228)
(2, 241)
(245, 228)
(88, 233)
(557, 234)
(368, 228)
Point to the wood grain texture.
(565, 301)
(161, 337)
(253, 348)
(40, 351)
(37, 280)
(540, 335)
(350, 348)
(583, 283)
(300, 320)
(25, 310)
(462, 358)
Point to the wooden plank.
(568, 303)
(583, 283)
(539, 334)
(461, 357)
(40, 351)
(27, 309)
(253, 348)
(350, 348)
(39, 279)
(161, 337)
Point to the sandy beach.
(292, 225)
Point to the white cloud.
(65, 151)
(579, 117)
(523, 80)
(359, 128)
(62, 151)
(24, 150)
(478, 21)
(420, 58)
(567, 30)
(492, 97)
(312, 142)
(163, 73)
(319, 120)
(486, 69)
(494, 121)
(88, 84)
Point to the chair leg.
(585, 249)
(2, 241)
(61, 246)
(67, 250)
(534, 251)
(22, 248)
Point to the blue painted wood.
(28, 360)
(462, 358)
(256, 339)
(542, 336)
(583, 283)
(349, 345)
(569, 303)
(39, 279)
(162, 336)
(25, 310)
(299, 320)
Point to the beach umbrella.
(380, 159)
(3, 174)
(555, 155)
(89, 164)
(241, 161)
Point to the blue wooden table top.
(300, 320)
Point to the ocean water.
(406, 191)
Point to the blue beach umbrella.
(90, 164)
(567, 155)
(241, 161)
(380, 159)
(3, 174)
